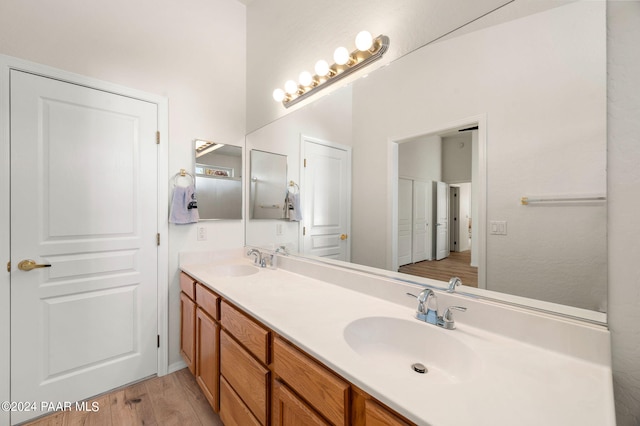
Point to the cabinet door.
(187, 331)
(289, 410)
(207, 367)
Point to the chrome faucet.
(427, 306)
(453, 282)
(428, 310)
(258, 259)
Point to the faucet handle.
(447, 317)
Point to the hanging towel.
(184, 207)
(293, 205)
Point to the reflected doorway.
(451, 162)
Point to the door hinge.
(304, 230)
(158, 137)
(158, 238)
(305, 162)
(9, 266)
(158, 340)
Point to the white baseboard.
(176, 366)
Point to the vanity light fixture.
(367, 50)
(204, 147)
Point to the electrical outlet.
(202, 233)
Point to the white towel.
(293, 204)
(184, 207)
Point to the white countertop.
(508, 382)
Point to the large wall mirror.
(506, 109)
(218, 176)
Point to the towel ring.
(182, 173)
(295, 186)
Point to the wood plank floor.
(174, 399)
(456, 265)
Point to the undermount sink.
(393, 345)
(233, 270)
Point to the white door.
(421, 230)
(442, 220)
(405, 217)
(83, 200)
(326, 199)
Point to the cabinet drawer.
(207, 300)
(322, 389)
(188, 285)
(252, 335)
(233, 412)
(377, 415)
(247, 377)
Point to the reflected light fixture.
(367, 51)
(204, 147)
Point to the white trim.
(392, 191)
(348, 149)
(176, 366)
(7, 63)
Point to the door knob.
(28, 264)
(343, 237)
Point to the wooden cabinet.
(289, 410)
(324, 390)
(187, 331)
(233, 412)
(207, 362)
(255, 378)
(377, 415)
(199, 336)
(250, 334)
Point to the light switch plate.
(498, 227)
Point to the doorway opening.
(439, 178)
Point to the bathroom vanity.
(315, 344)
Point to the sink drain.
(419, 368)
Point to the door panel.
(84, 200)
(327, 181)
(405, 215)
(442, 217)
(421, 217)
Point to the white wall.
(456, 158)
(421, 158)
(157, 46)
(623, 18)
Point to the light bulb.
(364, 41)
(322, 68)
(278, 95)
(305, 78)
(291, 87)
(341, 55)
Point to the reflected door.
(83, 200)
(326, 199)
(405, 217)
(442, 218)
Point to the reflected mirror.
(218, 176)
(535, 88)
(268, 186)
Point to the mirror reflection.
(268, 186)
(537, 94)
(218, 180)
